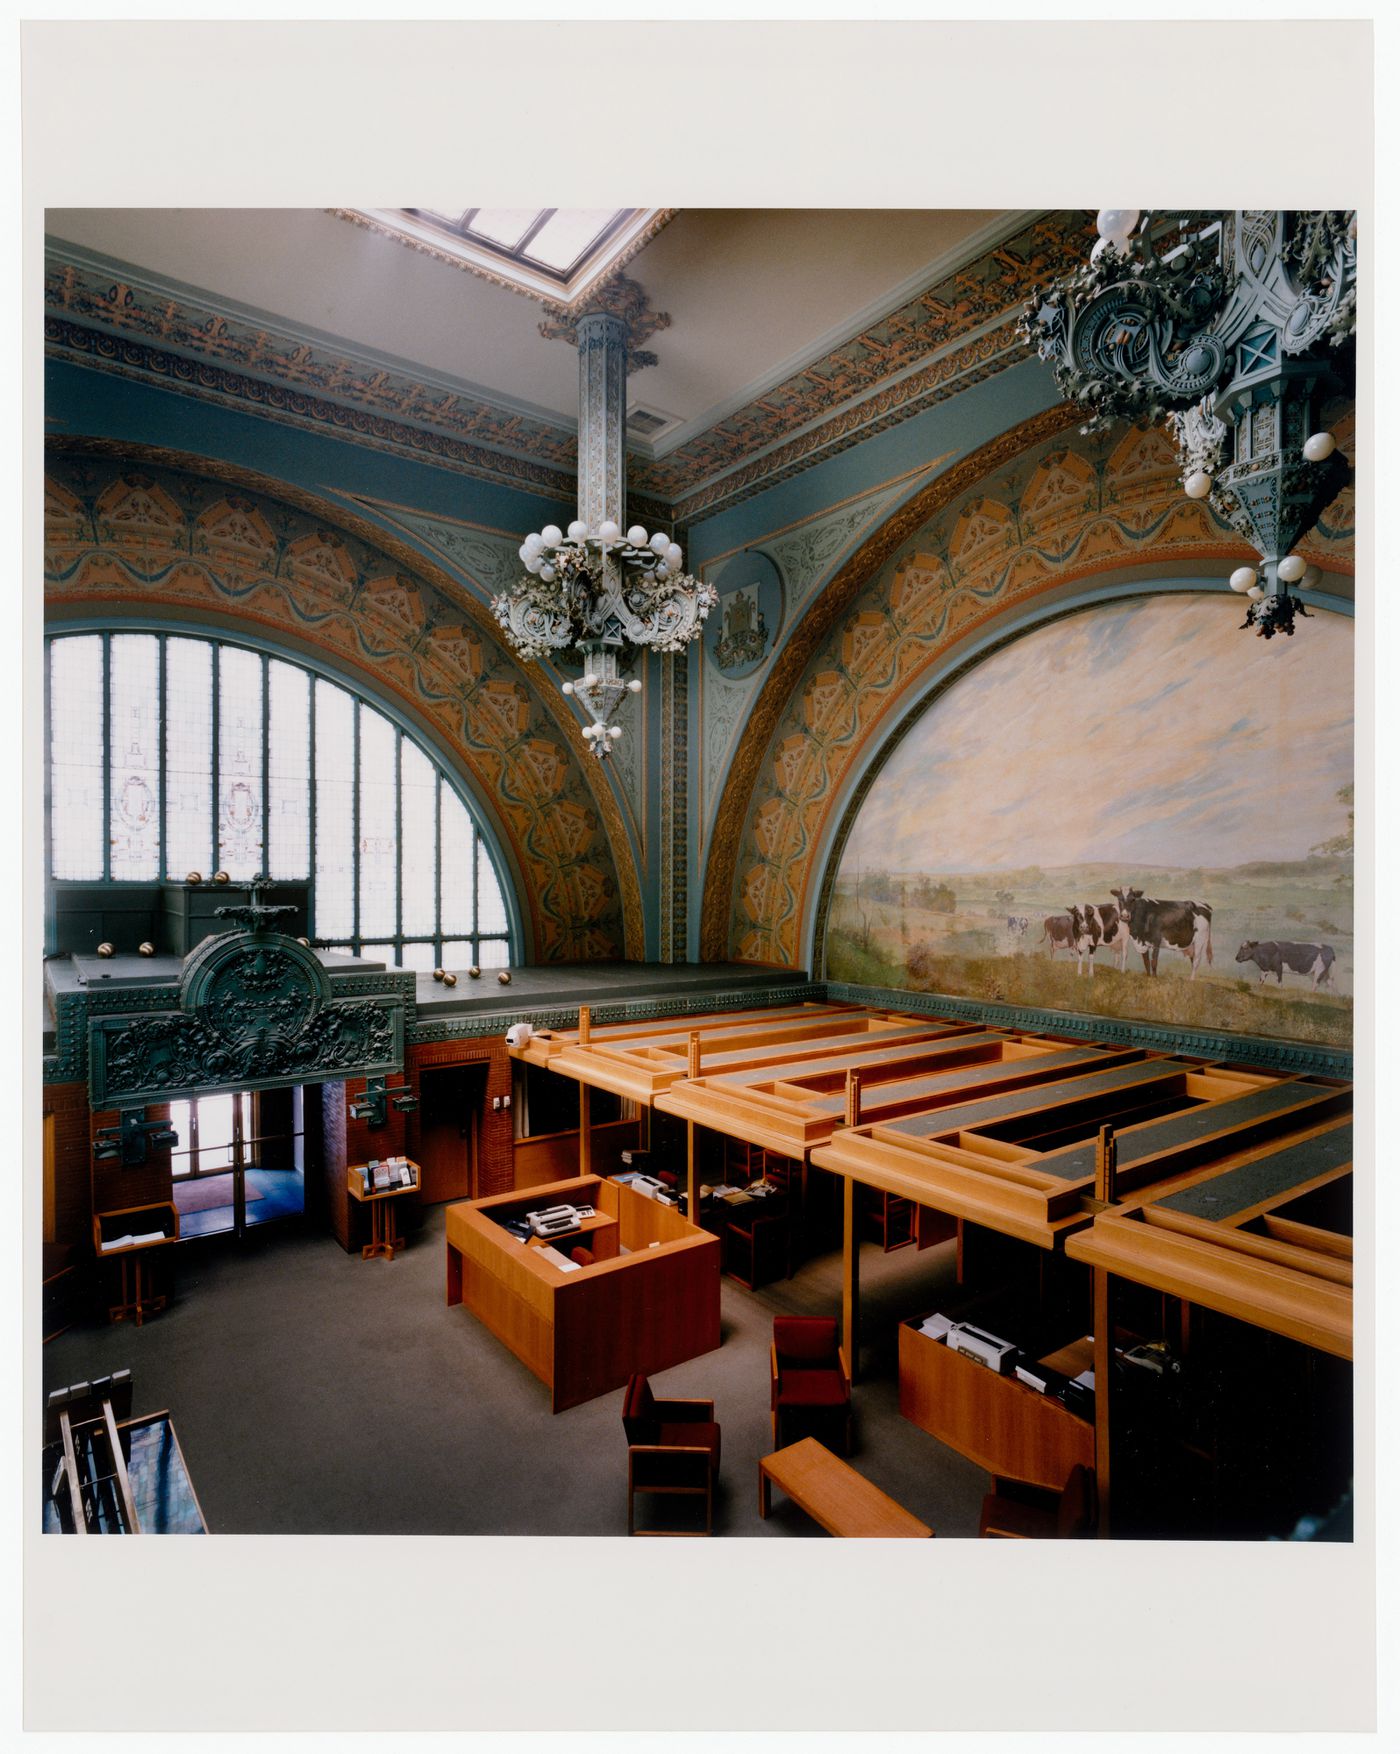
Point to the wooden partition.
(583, 1333)
(549, 1157)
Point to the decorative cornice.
(823, 614)
(956, 333)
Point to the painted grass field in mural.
(1147, 745)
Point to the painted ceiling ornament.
(1231, 329)
(619, 297)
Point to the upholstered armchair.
(672, 1450)
(811, 1380)
(1015, 1510)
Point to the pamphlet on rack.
(935, 1326)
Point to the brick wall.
(82, 1185)
(496, 1139)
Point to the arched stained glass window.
(170, 754)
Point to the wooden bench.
(834, 1494)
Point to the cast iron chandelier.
(1234, 329)
(596, 589)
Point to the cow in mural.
(1071, 931)
(1017, 924)
(1111, 927)
(1273, 955)
(1180, 925)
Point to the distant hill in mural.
(1211, 768)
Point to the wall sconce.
(373, 1107)
(132, 1138)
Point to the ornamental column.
(602, 418)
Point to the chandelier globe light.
(596, 589)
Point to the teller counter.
(584, 1330)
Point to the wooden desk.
(584, 1333)
(1000, 1423)
(834, 1494)
(598, 1234)
(384, 1238)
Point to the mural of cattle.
(1273, 955)
(1180, 925)
(1071, 931)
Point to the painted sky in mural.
(1152, 732)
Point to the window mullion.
(266, 742)
(106, 758)
(160, 759)
(437, 869)
(355, 831)
(313, 785)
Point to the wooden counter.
(583, 1333)
(996, 1421)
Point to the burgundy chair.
(581, 1256)
(672, 1451)
(811, 1380)
(1016, 1510)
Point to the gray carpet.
(315, 1393)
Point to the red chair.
(810, 1380)
(1015, 1510)
(672, 1451)
(581, 1256)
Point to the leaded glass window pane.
(458, 866)
(135, 755)
(79, 829)
(418, 852)
(189, 758)
(240, 763)
(457, 954)
(288, 772)
(418, 956)
(490, 903)
(379, 850)
(495, 953)
(335, 806)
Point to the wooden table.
(383, 1229)
(834, 1494)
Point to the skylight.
(553, 253)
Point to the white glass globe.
(578, 528)
(589, 681)
(662, 571)
(547, 573)
(637, 536)
(1117, 223)
(609, 530)
(674, 557)
(1197, 484)
(660, 542)
(566, 688)
(532, 542)
(1098, 249)
(615, 731)
(1292, 569)
(550, 535)
(1243, 578)
(1319, 447)
(1257, 592)
(634, 686)
(532, 565)
(527, 554)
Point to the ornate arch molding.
(997, 540)
(281, 562)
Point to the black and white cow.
(1018, 924)
(1073, 932)
(1275, 954)
(1112, 929)
(1180, 925)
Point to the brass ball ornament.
(474, 972)
(504, 977)
(449, 980)
(106, 950)
(194, 877)
(439, 974)
(221, 876)
(146, 949)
